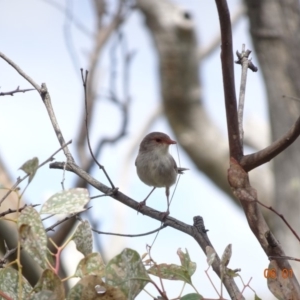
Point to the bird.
(155, 166)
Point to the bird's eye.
(158, 140)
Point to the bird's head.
(156, 141)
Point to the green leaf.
(186, 262)
(49, 281)
(9, 284)
(66, 202)
(33, 236)
(92, 264)
(192, 297)
(127, 271)
(92, 287)
(83, 238)
(171, 272)
(30, 167)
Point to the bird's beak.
(171, 142)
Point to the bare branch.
(10, 211)
(51, 228)
(17, 90)
(84, 82)
(245, 62)
(235, 148)
(282, 217)
(251, 161)
(131, 235)
(21, 72)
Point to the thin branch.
(17, 90)
(8, 253)
(10, 211)
(43, 91)
(284, 257)
(131, 235)
(282, 217)
(47, 101)
(21, 72)
(84, 82)
(124, 106)
(19, 180)
(51, 228)
(243, 60)
(252, 161)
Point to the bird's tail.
(181, 170)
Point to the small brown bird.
(155, 166)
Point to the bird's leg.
(165, 214)
(142, 203)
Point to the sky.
(36, 36)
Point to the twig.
(84, 82)
(19, 180)
(282, 217)
(243, 60)
(131, 235)
(43, 91)
(21, 72)
(284, 257)
(17, 90)
(10, 211)
(8, 252)
(123, 105)
(47, 101)
(51, 228)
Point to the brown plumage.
(155, 165)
